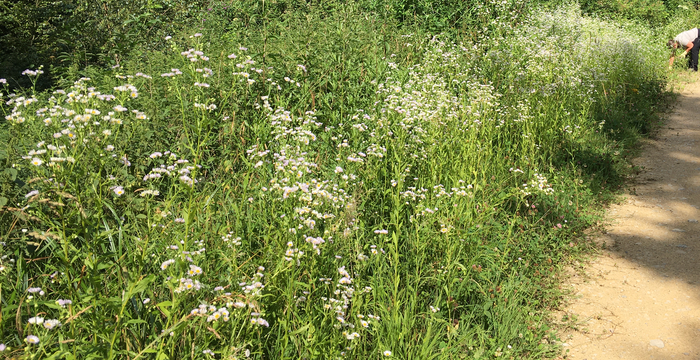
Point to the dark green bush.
(66, 34)
(653, 12)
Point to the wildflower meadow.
(325, 186)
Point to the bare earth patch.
(640, 298)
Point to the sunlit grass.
(225, 200)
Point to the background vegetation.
(68, 35)
(297, 179)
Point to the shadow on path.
(645, 288)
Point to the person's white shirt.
(686, 37)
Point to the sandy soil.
(640, 298)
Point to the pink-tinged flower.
(63, 302)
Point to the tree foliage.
(66, 36)
(653, 12)
(72, 34)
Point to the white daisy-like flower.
(51, 324)
(194, 270)
(166, 263)
(37, 320)
(118, 190)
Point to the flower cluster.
(538, 185)
(340, 302)
(48, 324)
(176, 167)
(194, 55)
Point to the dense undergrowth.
(331, 185)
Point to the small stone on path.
(657, 343)
(678, 230)
(693, 221)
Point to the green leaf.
(12, 172)
(163, 307)
(142, 285)
(3, 201)
(58, 355)
(301, 330)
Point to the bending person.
(690, 42)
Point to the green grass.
(342, 187)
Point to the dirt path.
(640, 299)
